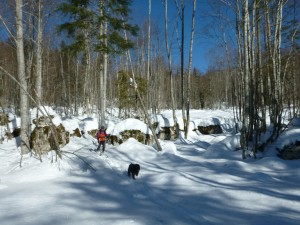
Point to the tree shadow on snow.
(187, 193)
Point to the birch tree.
(170, 67)
(24, 111)
(180, 11)
(274, 64)
(277, 101)
(103, 63)
(149, 53)
(182, 89)
(38, 78)
(245, 81)
(254, 83)
(188, 91)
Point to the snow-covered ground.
(199, 180)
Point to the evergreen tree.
(82, 19)
(116, 15)
(97, 25)
(79, 22)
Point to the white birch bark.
(245, 82)
(103, 67)
(38, 79)
(87, 75)
(169, 48)
(190, 69)
(24, 112)
(182, 66)
(149, 53)
(104, 80)
(277, 54)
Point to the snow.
(129, 124)
(198, 180)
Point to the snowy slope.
(200, 180)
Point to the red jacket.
(101, 135)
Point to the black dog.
(134, 170)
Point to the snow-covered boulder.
(131, 128)
(290, 152)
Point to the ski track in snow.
(141, 190)
(201, 180)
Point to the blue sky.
(202, 44)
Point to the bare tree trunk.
(259, 88)
(102, 70)
(87, 75)
(104, 78)
(245, 82)
(189, 70)
(269, 80)
(275, 82)
(76, 88)
(62, 74)
(168, 48)
(182, 67)
(70, 59)
(279, 83)
(38, 79)
(29, 37)
(149, 54)
(262, 92)
(252, 75)
(105, 67)
(294, 85)
(240, 78)
(22, 79)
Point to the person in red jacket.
(101, 137)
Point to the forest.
(94, 54)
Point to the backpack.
(101, 135)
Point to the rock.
(136, 134)
(167, 133)
(290, 152)
(42, 139)
(42, 121)
(76, 133)
(211, 129)
(93, 133)
(3, 119)
(125, 135)
(39, 140)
